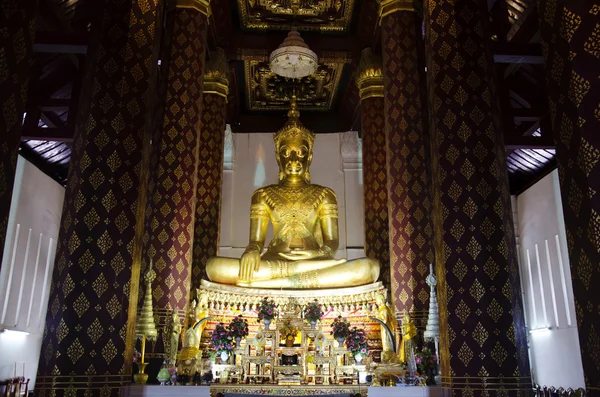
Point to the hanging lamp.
(293, 58)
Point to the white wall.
(547, 287)
(250, 163)
(27, 266)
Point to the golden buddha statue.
(305, 224)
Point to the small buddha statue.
(175, 328)
(409, 333)
(385, 315)
(304, 216)
(191, 355)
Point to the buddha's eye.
(302, 152)
(285, 152)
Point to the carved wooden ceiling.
(267, 91)
(305, 15)
(248, 30)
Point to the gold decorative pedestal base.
(341, 299)
(278, 390)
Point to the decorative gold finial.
(216, 74)
(387, 7)
(293, 127)
(369, 77)
(202, 6)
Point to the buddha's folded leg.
(227, 270)
(347, 274)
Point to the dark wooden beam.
(52, 120)
(526, 114)
(528, 142)
(241, 45)
(61, 42)
(54, 105)
(272, 122)
(517, 53)
(47, 134)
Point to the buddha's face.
(294, 157)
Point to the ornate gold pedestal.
(222, 296)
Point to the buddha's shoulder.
(326, 193)
(323, 192)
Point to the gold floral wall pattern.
(267, 91)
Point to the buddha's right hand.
(249, 263)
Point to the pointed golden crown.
(293, 128)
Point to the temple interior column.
(170, 220)
(370, 84)
(409, 202)
(482, 334)
(210, 164)
(18, 22)
(90, 324)
(571, 44)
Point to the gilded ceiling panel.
(305, 15)
(268, 91)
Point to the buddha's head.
(294, 148)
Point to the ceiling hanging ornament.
(293, 58)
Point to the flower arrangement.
(426, 362)
(239, 327)
(288, 329)
(222, 339)
(136, 356)
(267, 309)
(340, 327)
(313, 312)
(356, 341)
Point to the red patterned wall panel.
(377, 245)
(411, 233)
(172, 203)
(481, 316)
(210, 179)
(93, 298)
(571, 44)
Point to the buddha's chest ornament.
(293, 205)
(293, 209)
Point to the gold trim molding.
(218, 87)
(202, 6)
(281, 390)
(369, 76)
(216, 74)
(387, 7)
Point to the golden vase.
(141, 377)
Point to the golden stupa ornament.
(145, 328)
(293, 58)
